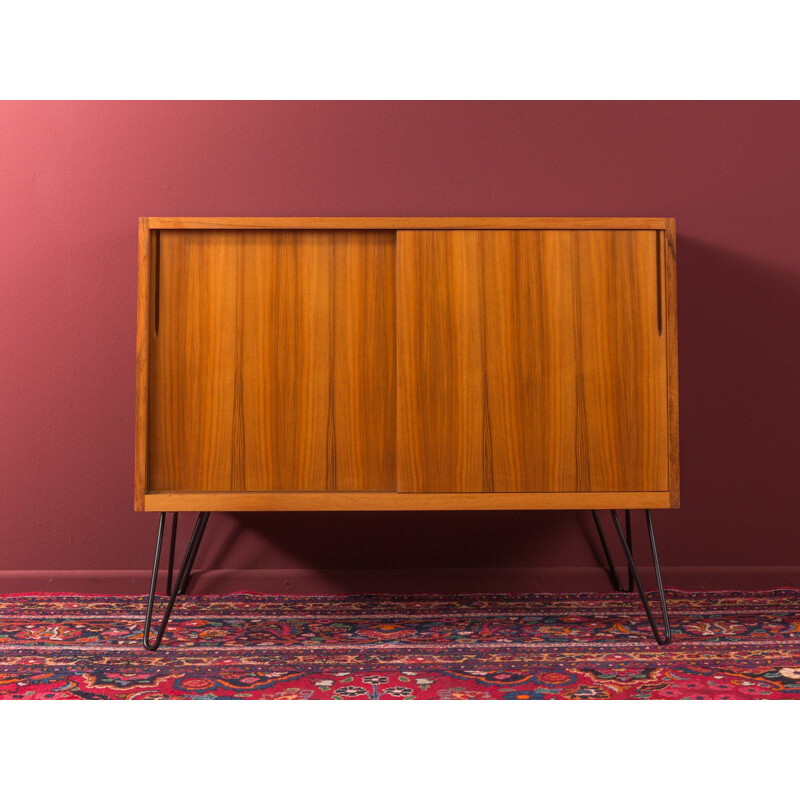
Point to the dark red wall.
(74, 178)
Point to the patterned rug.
(542, 646)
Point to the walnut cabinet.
(406, 363)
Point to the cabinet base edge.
(398, 501)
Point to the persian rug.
(539, 646)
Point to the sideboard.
(406, 363)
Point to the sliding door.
(272, 362)
(530, 361)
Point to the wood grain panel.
(363, 405)
(143, 309)
(399, 501)
(670, 279)
(193, 350)
(440, 439)
(409, 223)
(273, 366)
(530, 361)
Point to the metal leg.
(626, 540)
(188, 558)
(171, 561)
(667, 636)
(182, 589)
(612, 570)
(629, 539)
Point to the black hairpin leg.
(194, 546)
(171, 561)
(179, 585)
(626, 540)
(612, 570)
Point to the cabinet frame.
(145, 500)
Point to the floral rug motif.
(541, 646)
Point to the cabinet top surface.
(410, 223)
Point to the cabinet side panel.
(258, 382)
(671, 313)
(143, 302)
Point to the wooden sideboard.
(402, 363)
(406, 363)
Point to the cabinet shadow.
(739, 350)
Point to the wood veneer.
(408, 223)
(398, 501)
(530, 361)
(406, 363)
(273, 363)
